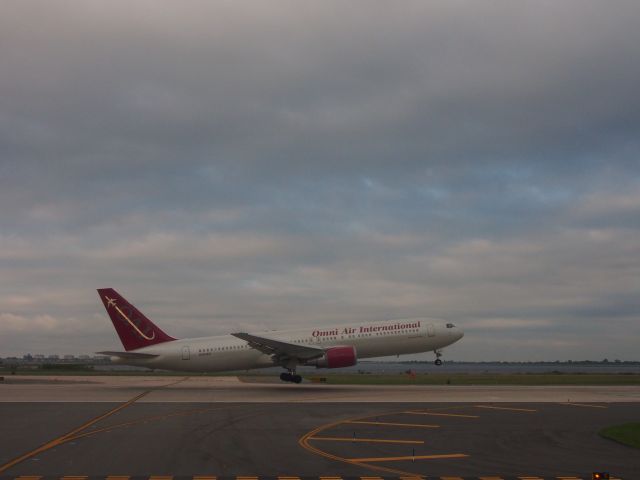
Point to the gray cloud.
(254, 165)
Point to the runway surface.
(142, 433)
(230, 389)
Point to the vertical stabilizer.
(134, 329)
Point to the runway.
(230, 389)
(153, 429)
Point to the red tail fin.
(134, 329)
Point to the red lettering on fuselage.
(394, 327)
(391, 327)
(324, 333)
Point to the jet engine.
(336, 357)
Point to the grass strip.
(627, 434)
(478, 379)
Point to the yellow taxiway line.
(582, 405)
(370, 440)
(305, 442)
(442, 414)
(391, 424)
(506, 408)
(72, 434)
(151, 418)
(64, 438)
(410, 457)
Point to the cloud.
(16, 323)
(272, 165)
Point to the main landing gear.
(438, 353)
(290, 377)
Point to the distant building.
(54, 357)
(69, 357)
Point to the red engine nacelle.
(336, 357)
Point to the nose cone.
(452, 333)
(458, 334)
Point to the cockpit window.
(450, 325)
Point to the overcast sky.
(258, 165)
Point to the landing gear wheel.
(290, 377)
(438, 353)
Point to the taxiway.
(174, 426)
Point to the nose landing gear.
(438, 353)
(290, 377)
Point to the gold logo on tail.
(111, 302)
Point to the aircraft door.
(186, 355)
(431, 331)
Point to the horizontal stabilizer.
(129, 355)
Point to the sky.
(242, 166)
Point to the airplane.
(146, 345)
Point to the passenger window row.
(310, 340)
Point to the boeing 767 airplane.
(146, 345)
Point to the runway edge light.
(599, 476)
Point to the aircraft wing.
(280, 348)
(128, 355)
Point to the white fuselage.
(226, 352)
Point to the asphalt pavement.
(470, 440)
